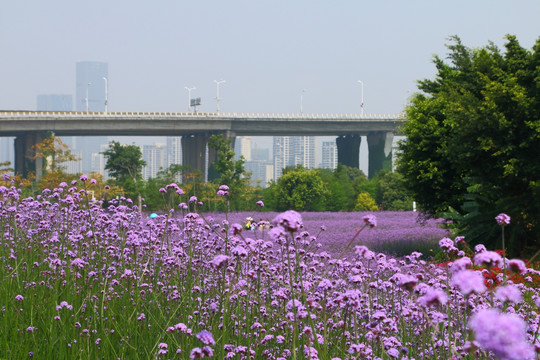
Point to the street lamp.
(106, 94)
(362, 97)
(217, 92)
(302, 101)
(87, 87)
(189, 96)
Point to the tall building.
(293, 151)
(329, 155)
(155, 157)
(242, 147)
(90, 96)
(174, 153)
(55, 102)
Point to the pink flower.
(370, 220)
(433, 297)
(503, 334)
(502, 219)
(206, 337)
(468, 282)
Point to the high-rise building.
(293, 151)
(155, 157)
(174, 153)
(242, 147)
(90, 96)
(329, 155)
(55, 102)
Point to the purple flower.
(370, 220)
(19, 298)
(206, 337)
(503, 334)
(192, 199)
(260, 203)
(502, 219)
(162, 190)
(224, 188)
(489, 259)
(93, 181)
(83, 178)
(219, 260)
(460, 264)
(468, 282)
(433, 297)
(517, 266)
(446, 243)
(222, 193)
(290, 220)
(508, 293)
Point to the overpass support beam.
(194, 152)
(379, 151)
(24, 154)
(348, 147)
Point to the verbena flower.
(370, 220)
(488, 259)
(290, 220)
(502, 219)
(501, 333)
(206, 337)
(518, 266)
(468, 282)
(433, 297)
(509, 293)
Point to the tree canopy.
(473, 139)
(124, 161)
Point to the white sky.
(268, 51)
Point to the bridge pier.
(348, 147)
(379, 152)
(24, 154)
(194, 152)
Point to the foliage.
(476, 127)
(54, 153)
(364, 202)
(124, 162)
(300, 189)
(226, 171)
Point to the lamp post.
(189, 96)
(302, 101)
(217, 92)
(86, 99)
(362, 97)
(106, 94)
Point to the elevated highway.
(29, 127)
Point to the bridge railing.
(221, 115)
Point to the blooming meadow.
(82, 281)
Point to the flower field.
(81, 282)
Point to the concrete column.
(194, 152)
(348, 147)
(24, 154)
(379, 151)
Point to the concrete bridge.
(29, 128)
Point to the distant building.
(55, 102)
(155, 157)
(90, 96)
(329, 155)
(293, 151)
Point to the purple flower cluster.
(114, 283)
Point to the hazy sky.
(267, 51)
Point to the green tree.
(473, 138)
(364, 202)
(125, 164)
(301, 190)
(227, 171)
(391, 192)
